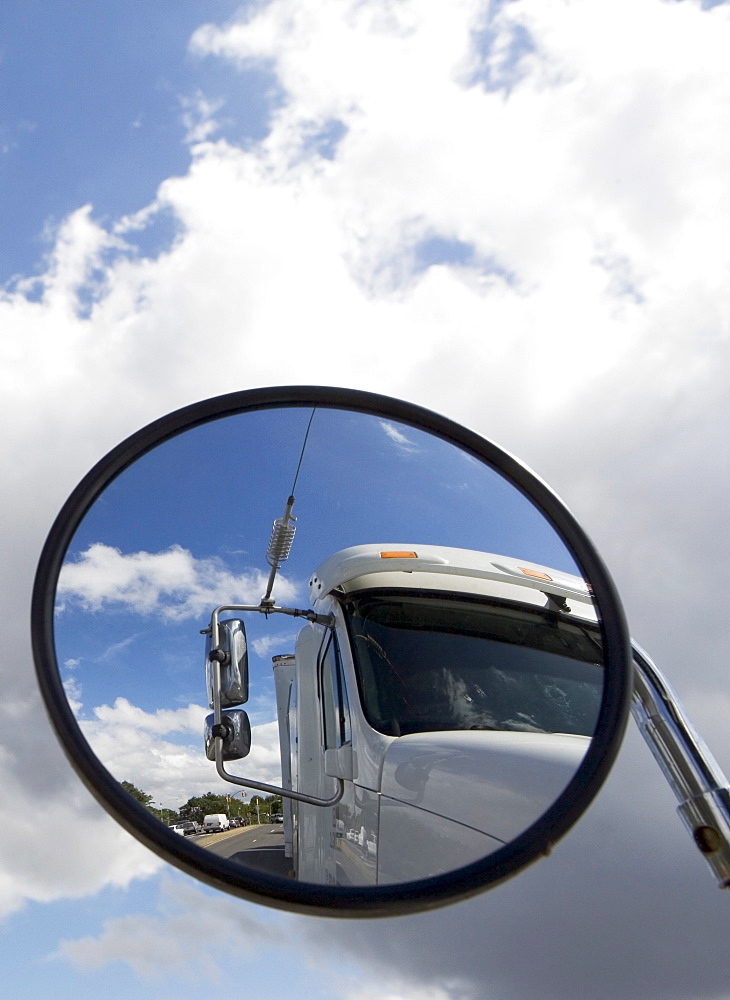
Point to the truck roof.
(439, 567)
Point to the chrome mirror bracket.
(693, 774)
(219, 741)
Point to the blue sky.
(514, 214)
(355, 469)
(45, 968)
(93, 111)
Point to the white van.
(215, 822)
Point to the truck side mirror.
(138, 583)
(235, 731)
(231, 653)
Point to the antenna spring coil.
(282, 536)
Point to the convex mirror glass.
(439, 667)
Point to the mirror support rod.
(690, 769)
(260, 786)
(327, 620)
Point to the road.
(260, 847)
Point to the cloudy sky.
(512, 213)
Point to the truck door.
(351, 854)
(317, 713)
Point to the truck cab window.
(335, 708)
(430, 662)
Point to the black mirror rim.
(326, 900)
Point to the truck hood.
(498, 783)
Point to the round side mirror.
(451, 667)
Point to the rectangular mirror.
(232, 653)
(236, 742)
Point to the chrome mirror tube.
(690, 769)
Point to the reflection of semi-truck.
(438, 700)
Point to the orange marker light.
(537, 575)
(398, 555)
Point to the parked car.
(186, 827)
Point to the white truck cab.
(453, 694)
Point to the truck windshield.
(442, 662)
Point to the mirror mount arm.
(219, 731)
(327, 620)
(688, 766)
(261, 786)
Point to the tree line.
(258, 810)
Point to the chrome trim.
(693, 774)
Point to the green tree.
(167, 816)
(261, 807)
(200, 806)
(137, 793)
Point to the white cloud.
(193, 935)
(72, 687)
(267, 645)
(406, 991)
(161, 722)
(132, 745)
(198, 117)
(185, 941)
(172, 583)
(57, 843)
(398, 438)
